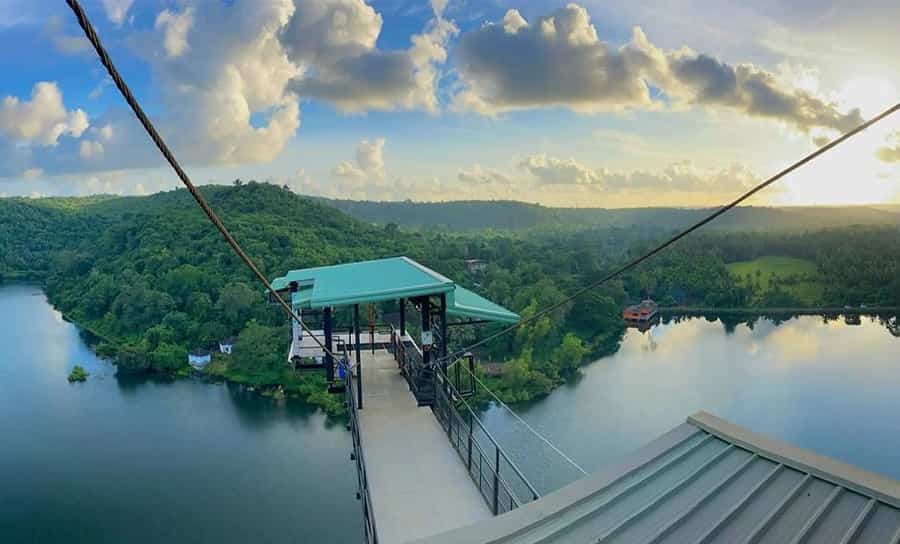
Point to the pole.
(329, 360)
(402, 318)
(359, 396)
(444, 339)
(426, 327)
(372, 326)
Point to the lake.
(136, 460)
(826, 386)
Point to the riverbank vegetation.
(152, 278)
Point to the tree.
(257, 357)
(569, 355)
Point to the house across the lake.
(199, 358)
(225, 346)
(645, 311)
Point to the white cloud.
(32, 173)
(90, 149)
(476, 175)
(231, 77)
(41, 120)
(555, 171)
(333, 43)
(559, 60)
(369, 162)
(891, 151)
(117, 10)
(681, 176)
(234, 69)
(175, 28)
(346, 169)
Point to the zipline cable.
(534, 431)
(107, 62)
(727, 207)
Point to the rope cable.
(107, 62)
(523, 422)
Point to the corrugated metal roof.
(708, 481)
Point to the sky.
(594, 103)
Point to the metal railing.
(412, 366)
(501, 483)
(370, 535)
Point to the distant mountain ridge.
(513, 215)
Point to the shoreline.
(821, 310)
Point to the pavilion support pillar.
(402, 317)
(444, 332)
(359, 395)
(443, 350)
(329, 344)
(426, 328)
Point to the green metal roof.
(465, 303)
(385, 279)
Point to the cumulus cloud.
(333, 42)
(891, 151)
(43, 119)
(476, 175)
(677, 177)
(175, 27)
(559, 60)
(231, 76)
(555, 171)
(226, 89)
(117, 10)
(90, 149)
(369, 162)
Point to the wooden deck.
(418, 485)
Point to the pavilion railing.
(501, 483)
(370, 535)
(412, 366)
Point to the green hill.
(510, 215)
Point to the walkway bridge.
(705, 481)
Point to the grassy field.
(765, 268)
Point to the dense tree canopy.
(153, 279)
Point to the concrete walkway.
(418, 484)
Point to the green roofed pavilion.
(385, 279)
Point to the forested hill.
(511, 215)
(153, 279)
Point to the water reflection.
(124, 458)
(810, 380)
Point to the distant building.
(199, 358)
(225, 346)
(645, 311)
(476, 266)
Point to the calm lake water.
(132, 460)
(826, 386)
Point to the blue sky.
(592, 103)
